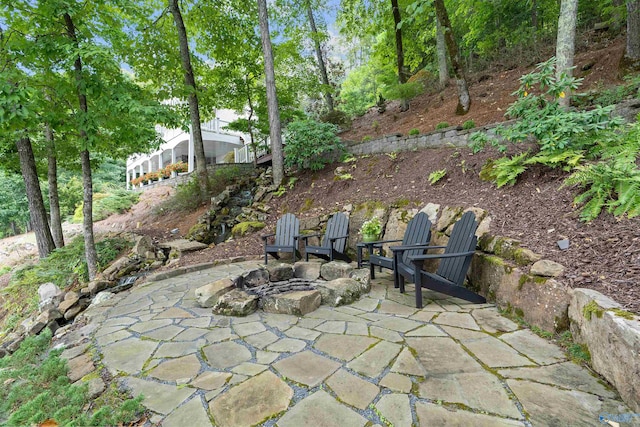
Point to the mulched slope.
(604, 255)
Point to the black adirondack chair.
(455, 261)
(286, 238)
(334, 241)
(418, 233)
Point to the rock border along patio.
(378, 360)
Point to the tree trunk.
(616, 17)
(52, 178)
(323, 70)
(534, 14)
(249, 124)
(443, 70)
(87, 185)
(402, 72)
(464, 100)
(272, 97)
(633, 30)
(194, 108)
(566, 43)
(37, 211)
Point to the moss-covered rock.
(199, 233)
(243, 228)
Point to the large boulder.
(307, 270)
(280, 271)
(236, 303)
(613, 338)
(335, 270)
(340, 291)
(396, 226)
(208, 295)
(297, 303)
(50, 295)
(541, 301)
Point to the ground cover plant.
(36, 389)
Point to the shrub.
(469, 124)
(366, 138)
(311, 144)
(541, 116)
(442, 125)
(414, 131)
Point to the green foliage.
(613, 181)
(366, 138)
(70, 194)
(311, 144)
(469, 124)
(414, 132)
(504, 170)
(541, 117)
(14, 209)
(436, 176)
(36, 388)
(442, 125)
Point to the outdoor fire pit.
(295, 289)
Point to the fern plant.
(612, 182)
(504, 170)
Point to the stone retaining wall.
(451, 136)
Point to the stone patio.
(376, 361)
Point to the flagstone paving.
(379, 360)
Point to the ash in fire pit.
(290, 285)
(287, 289)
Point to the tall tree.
(633, 30)
(315, 36)
(464, 99)
(194, 108)
(566, 43)
(441, 49)
(90, 253)
(402, 71)
(275, 131)
(52, 180)
(37, 211)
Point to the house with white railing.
(178, 148)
